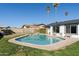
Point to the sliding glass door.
(71, 29)
(74, 29)
(56, 29)
(68, 29)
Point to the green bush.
(42, 30)
(8, 32)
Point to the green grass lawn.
(9, 49)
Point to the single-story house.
(35, 26)
(66, 28)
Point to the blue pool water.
(38, 39)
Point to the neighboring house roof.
(34, 25)
(76, 21)
(40, 24)
(2, 27)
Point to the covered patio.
(66, 28)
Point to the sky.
(16, 15)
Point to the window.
(74, 29)
(56, 29)
(71, 29)
(53, 28)
(67, 28)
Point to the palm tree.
(48, 9)
(55, 5)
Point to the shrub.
(42, 30)
(8, 32)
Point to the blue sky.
(35, 13)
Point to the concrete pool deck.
(50, 47)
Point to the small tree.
(28, 26)
(42, 30)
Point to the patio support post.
(62, 30)
(51, 30)
(78, 30)
(48, 31)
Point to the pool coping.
(49, 47)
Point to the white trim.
(62, 30)
(51, 30)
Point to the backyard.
(9, 49)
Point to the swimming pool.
(38, 39)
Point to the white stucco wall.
(50, 30)
(78, 29)
(62, 30)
